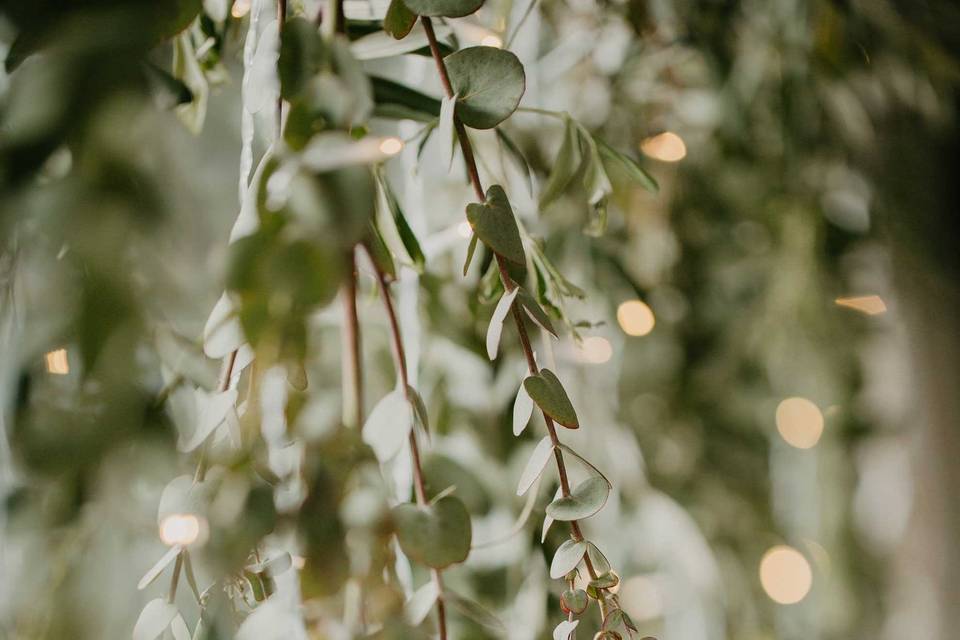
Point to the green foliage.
(445, 8)
(488, 83)
(494, 223)
(549, 394)
(436, 535)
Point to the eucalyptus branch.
(509, 285)
(400, 359)
(352, 361)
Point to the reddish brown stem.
(508, 283)
(418, 483)
(351, 360)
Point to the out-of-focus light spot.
(640, 598)
(464, 230)
(666, 147)
(595, 350)
(180, 528)
(240, 8)
(299, 562)
(635, 318)
(800, 422)
(785, 575)
(57, 362)
(870, 305)
(492, 40)
(391, 146)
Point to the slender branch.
(418, 483)
(508, 282)
(520, 23)
(352, 361)
(175, 578)
(281, 18)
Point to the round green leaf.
(494, 223)
(548, 393)
(399, 19)
(436, 535)
(489, 83)
(445, 8)
(567, 557)
(586, 499)
(574, 600)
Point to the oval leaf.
(548, 393)
(436, 535)
(388, 425)
(536, 463)
(493, 221)
(445, 8)
(222, 333)
(522, 410)
(420, 603)
(565, 629)
(586, 499)
(399, 19)
(213, 411)
(489, 83)
(568, 556)
(536, 312)
(547, 520)
(154, 619)
(178, 627)
(495, 328)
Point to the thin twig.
(352, 361)
(418, 483)
(520, 23)
(508, 282)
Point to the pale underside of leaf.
(420, 603)
(538, 460)
(161, 564)
(565, 629)
(547, 519)
(567, 557)
(522, 410)
(213, 411)
(446, 135)
(495, 328)
(586, 499)
(154, 619)
(388, 425)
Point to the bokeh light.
(785, 575)
(870, 305)
(57, 362)
(391, 146)
(492, 40)
(240, 8)
(800, 422)
(464, 230)
(595, 350)
(635, 318)
(180, 528)
(666, 147)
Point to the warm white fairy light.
(666, 147)
(180, 528)
(240, 8)
(635, 318)
(595, 350)
(492, 40)
(800, 422)
(57, 362)
(391, 146)
(870, 305)
(785, 574)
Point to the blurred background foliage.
(806, 155)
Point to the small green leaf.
(470, 609)
(493, 221)
(574, 600)
(514, 153)
(565, 166)
(567, 557)
(489, 83)
(548, 393)
(379, 253)
(446, 134)
(600, 562)
(398, 101)
(535, 311)
(586, 499)
(399, 19)
(388, 425)
(445, 8)
(534, 467)
(437, 535)
(419, 409)
(628, 165)
(606, 580)
(302, 56)
(410, 243)
(471, 248)
(613, 620)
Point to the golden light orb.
(666, 147)
(785, 575)
(391, 146)
(800, 422)
(595, 350)
(635, 318)
(180, 528)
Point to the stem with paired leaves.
(508, 284)
(420, 492)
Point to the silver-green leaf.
(548, 393)
(489, 83)
(534, 467)
(388, 425)
(435, 535)
(567, 557)
(585, 500)
(494, 223)
(445, 8)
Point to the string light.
(391, 146)
(870, 305)
(800, 422)
(785, 575)
(635, 318)
(180, 528)
(666, 147)
(57, 362)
